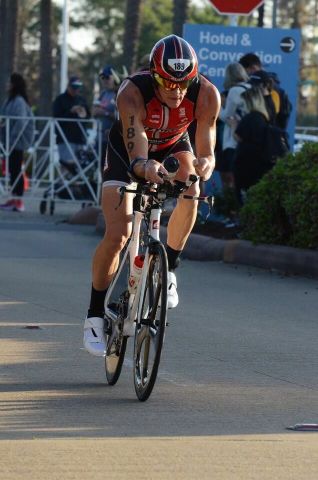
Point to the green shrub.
(283, 207)
(225, 202)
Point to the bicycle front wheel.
(151, 323)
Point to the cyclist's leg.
(180, 224)
(183, 216)
(118, 220)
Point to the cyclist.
(155, 108)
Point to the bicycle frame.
(142, 313)
(153, 235)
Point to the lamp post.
(64, 56)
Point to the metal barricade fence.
(303, 135)
(50, 179)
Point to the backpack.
(285, 105)
(275, 143)
(240, 112)
(276, 100)
(285, 109)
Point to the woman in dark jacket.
(17, 138)
(251, 161)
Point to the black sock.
(96, 307)
(173, 258)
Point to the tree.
(156, 22)
(46, 71)
(261, 12)
(180, 15)
(131, 34)
(8, 41)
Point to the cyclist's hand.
(153, 169)
(203, 167)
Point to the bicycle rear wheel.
(151, 323)
(116, 342)
(116, 312)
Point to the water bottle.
(135, 273)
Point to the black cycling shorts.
(117, 160)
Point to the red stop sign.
(236, 7)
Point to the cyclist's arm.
(131, 109)
(208, 108)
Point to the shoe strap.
(172, 279)
(94, 322)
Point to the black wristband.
(131, 172)
(135, 161)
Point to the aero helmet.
(173, 59)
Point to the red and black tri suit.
(166, 129)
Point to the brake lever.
(192, 179)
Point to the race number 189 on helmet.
(173, 63)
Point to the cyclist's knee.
(116, 238)
(186, 167)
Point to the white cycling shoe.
(173, 298)
(94, 338)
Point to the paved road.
(239, 366)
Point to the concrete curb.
(287, 260)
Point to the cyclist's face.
(172, 98)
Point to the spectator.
(235, 83)
(283, 104)
(262, 80)
(21, 136)
(70, 136)
(277, 99)
(251, 62)
(251, 159)
(104, 107)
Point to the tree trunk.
(46, 71)
(131, 36)
(8, 41)
(180, 15)
(261, 11)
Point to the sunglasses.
(168, 85)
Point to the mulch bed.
(217, 230)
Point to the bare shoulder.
(209, 100)
(129, 97)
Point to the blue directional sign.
(278, 50)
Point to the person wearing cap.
(70, 105)
(104, 108)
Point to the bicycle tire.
(114, 362)
(116, 342)
(151, 323)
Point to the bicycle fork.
(153, 237)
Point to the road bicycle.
(142, 313)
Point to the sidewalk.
(287, 260)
